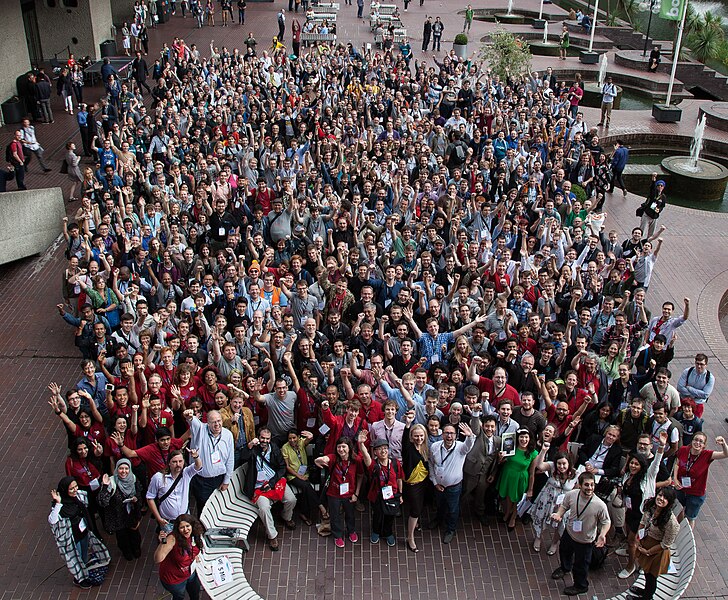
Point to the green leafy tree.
(507, 55)
(706, 39)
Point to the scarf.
(73, 509)
(126, 485)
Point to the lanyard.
(343, 472)
(581, 512)
(689, 464)
(213, 442)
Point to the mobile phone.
(109, 387)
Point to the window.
(70, 3)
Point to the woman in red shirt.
(387, 481)
(175, 555)
(343, 489)
(81, 465)
(690, 473)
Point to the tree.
(706, 39)
(507, 56)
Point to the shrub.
(579, 192)
(461, 39)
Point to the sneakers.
(575, 590)
(448, 537)
(339, 542)
(558, 573)
(391, 541)
(353, 537)
(621, 551)
(84, 585)
(626, 572)
(374, 539)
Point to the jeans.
(191, 585)
(337, 522)
(82, 548)
(448, 506)
(575, 557)
(436, 39)
(202, 488)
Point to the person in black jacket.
(602, 455)
(139, 71)
(263, 481)
(426, 33)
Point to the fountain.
(602, 71)
(593, 90)
(694, 177)
(509, 16)
(544, 48)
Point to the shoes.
(339, 542)
(273, 544)
(84, 585)
(600, 124)
(574, 590)
(448, 537)
(537, 545)
(412, 547)
(636, 591)
(353, 537)
(626, 572)
(558, 573)
(290, 524)
(46, 170)
(306, 520)
(391, 541)
(552, 549)
(621, 551)
(374, 539)
(623, 191)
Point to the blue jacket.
(619, 158)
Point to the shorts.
(691, 503)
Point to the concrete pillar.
(12, 44)
(81, 29)
(121, 11)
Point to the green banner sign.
(672, 9)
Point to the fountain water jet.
(546, 32)
(602, 71)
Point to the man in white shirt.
(172, 495)
(31, 145)
(447, 458)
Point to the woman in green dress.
(516, 478)
(563, 42)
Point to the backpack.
(598, 557)
(8, 154)
(459, 152)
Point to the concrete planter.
(589, 58)
(666, 114)
(539, 23)
(461, 50)
(541, 49)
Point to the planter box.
(461, 50)
(589, 58)
(666, 114)
(539, 23)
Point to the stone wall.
(30, 221)
(82, 28)
(12, 43)
(122, 10)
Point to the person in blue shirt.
(619, 162)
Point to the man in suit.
(481, 465)
(602, 456)
(140, 70)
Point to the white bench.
(329, 5)
(230, 508)
(387, 9)
(672, 586)
(309, 38)
(321, 17)
(317, 10)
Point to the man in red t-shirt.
(156, 455)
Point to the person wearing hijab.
(121, 498)
(85, 555)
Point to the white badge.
(302, 470)
(577, 526)
(434, 358)
(94, 484)
(387, 492)
(311, 422)
(502, 335)
(641, 533)
(256, 420)
(343, 489)
(82, 525)
(560, 498)
(686, 482)
(628, 503)
(221, 231)
(215, 458)
(324, 429)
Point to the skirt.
(654, 565)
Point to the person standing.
(17, 159)
(359, 9)
(43, 98)
(481, 464)
(217, 450)
(241, 12)
(140, 70)
(426, 33)
(176, 553)
(563, 42)
(168, 494)
(74, 173)
(697, 383)
(652, 207)
(281, 24)
(31, 145)
(468, 18)
(437, 28)
(447, 458)
(586, 528)
(120, 497)
(609, 93)
(619, 162)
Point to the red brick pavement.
(36, 347)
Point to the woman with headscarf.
(85, 555)
(121, 497)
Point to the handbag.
(274, 494)
(391, 507)
(64, 167)
(639, 212)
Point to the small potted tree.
(460, 45)
(507, 55)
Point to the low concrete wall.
(29, 222)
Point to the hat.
(299, 229)
(378, 443)
(660, 182)
(439, 240)
(254, 265)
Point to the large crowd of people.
(373, 286)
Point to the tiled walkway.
(483, 562)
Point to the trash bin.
(108, 48)
(13, 110)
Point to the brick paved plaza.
(483, 562)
